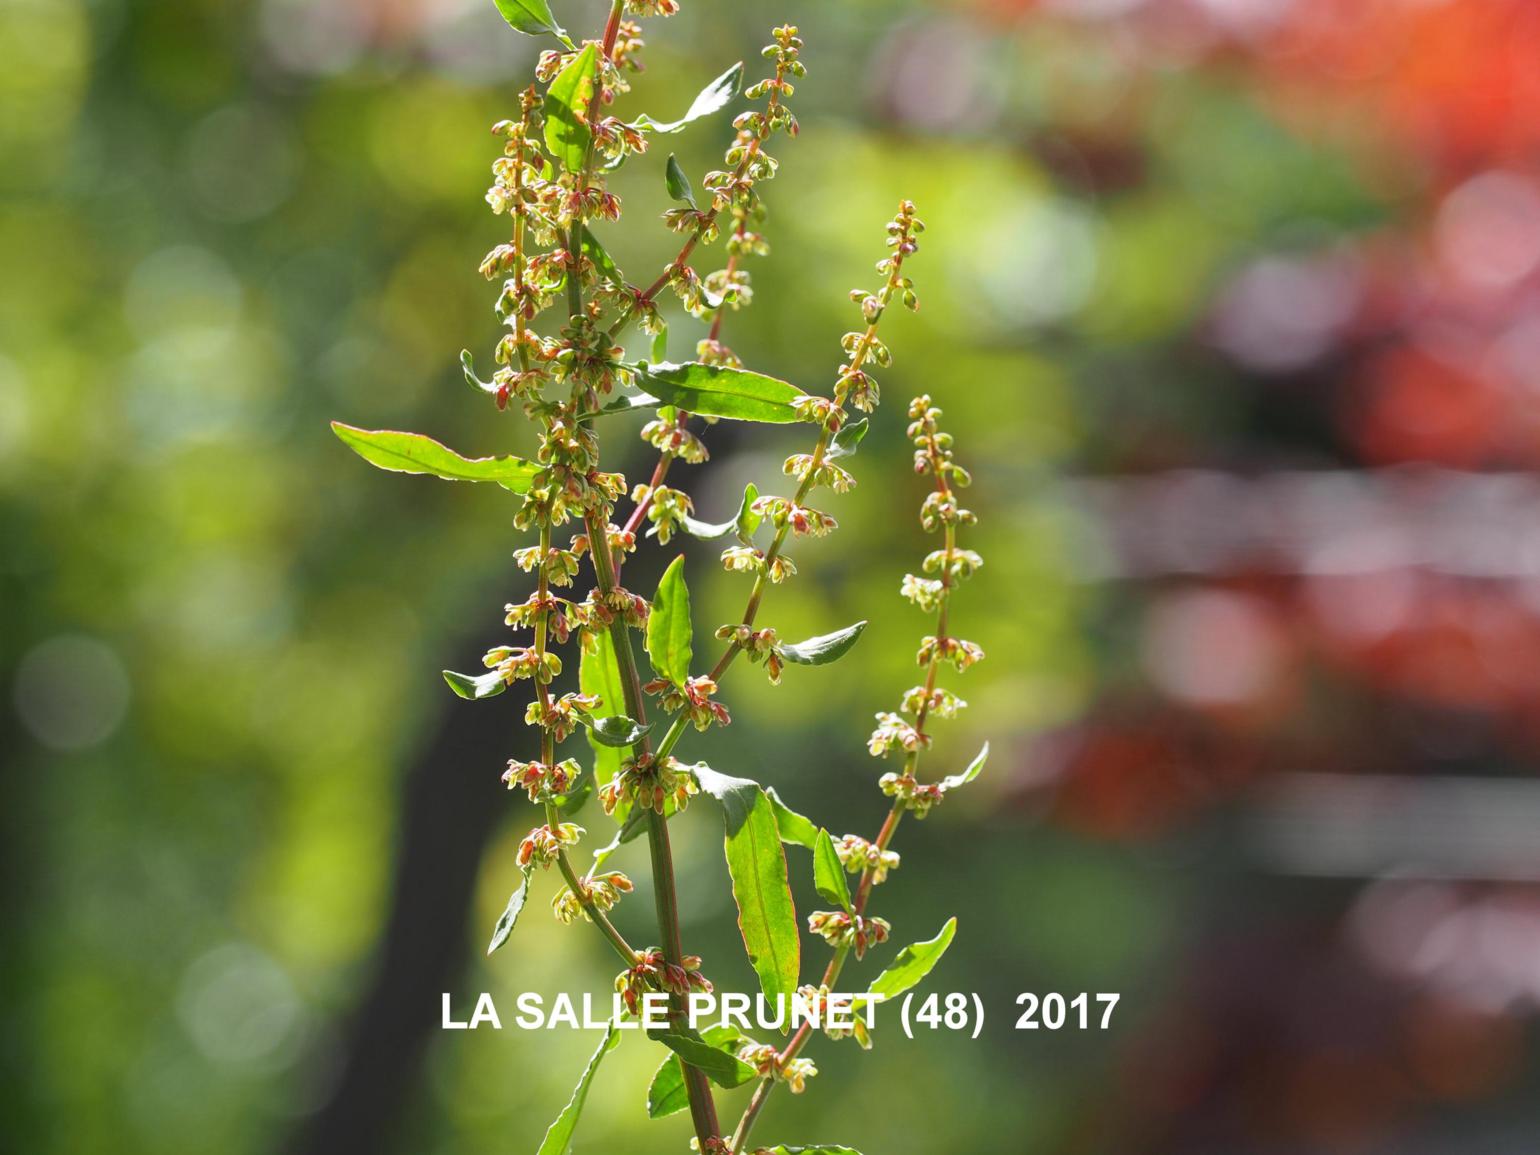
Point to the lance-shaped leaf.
(913, 963)
(599, 675)
(829, 872)
(617, 730)
(825, 648)
(717, 391)
(745, 521)
(600, 257)
(533, 17)
(794, 828)
(659, 348)
(816, 1149)
(468, 368)
(558, 1140)
(567, 103)
(624, 404)
(414, 453)
(711, 98)
(510, 915)
(677, 183)
(952, 781)
(847, 439)
(476, 686)
(723, 1068)
(756, 865)
(668, 626)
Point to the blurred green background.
(1233, 308)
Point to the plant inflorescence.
(564, 362)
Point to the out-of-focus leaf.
(413, 453)
(668, 626)
(717, 391)
(816, 1149)
(510, 915)
(913, 963)
(599, 674)
(677, 183)
(659, 349)
(825, 648)
(714, 96)
(476, 686)
(756, 864)
(558, 1140)
(952, 781)
(567, 134)
(847, 439)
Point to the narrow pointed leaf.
(659, 349)
(600, 257)
(531, 16)
(510, 915)
(558, 1140)
(677, 183)
(617, 730)
(767, 918)
(624, 404)
(599, 674)
(913, 963)
(476, 686)
(567, 101)
(711, 98)
(952, 781)
(666, 1093)
(829, 872)
(825, 648)
(717, 391)
(668, 626)
(745, 521)
(413, 453)
(847, 439)
(794, 828)
(468, 368)
(721, 1067)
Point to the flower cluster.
(842, 929)
(693, 697)
(768, 1063)
(757, 645)
(599, 891)
(651, 971)
(858, 855)
(542, 844)
(649, 782)
(540, 781)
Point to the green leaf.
(624, 404)
(632, 823)
(677, 183)
(567, 103)
(599, 674)
(952, 781)
(531, 16)
(817, 1149)
(558, 1140)
(829, 872)
(668, 626)
(847, 439)
(666, 1093)
(659, 348)
(510, 916)
(714, 96)
(716, 391)
(745, 521)
(913, 963)
(756, 864)
(825, 648)
(575, 799)
(617, 730)
(721, 1067)
(468, 368)
(600, 257)
(478, 686)
(414, 453)
(793, 827)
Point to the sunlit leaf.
(717, 391)
(413, 453)
(847, 439)
(617, 730)
(531, 16)
(558, 1140)
(677, 183)
(825, 648)
(599, 255)
(913, 963)
(476, 686)
(745, 521)
(668, 626)
(756, 864)
(952, 781)
(722, 1067)
(599, 675)
(567, 101)
(794, 828)
(829, 872)
(711, 98)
